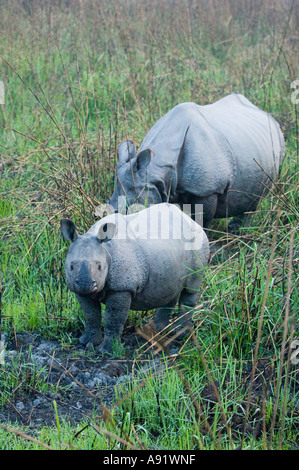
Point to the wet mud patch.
(38, 372)
(40, 375)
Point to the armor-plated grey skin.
(149, 260)
(203, 155)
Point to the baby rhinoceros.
(153, 259)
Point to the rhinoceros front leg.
(163, 314)
(92, 335)
(116, 313)
(209, 208)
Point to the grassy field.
(79, 78)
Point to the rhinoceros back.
(251, 132)
(257, 144)
(155, 254)
(161, 223)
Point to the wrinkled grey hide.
(203, 155)
(152, 259)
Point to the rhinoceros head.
(87, 261)
(133, 183)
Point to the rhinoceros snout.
(83, 288)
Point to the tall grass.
(80, 77)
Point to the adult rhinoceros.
(219, 155)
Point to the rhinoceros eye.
(99, 266)
(72, 267)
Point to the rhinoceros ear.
(143, 159)
(68, 230)
(126, 150)
(106, 232)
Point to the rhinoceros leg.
(116, 313)
(187, 302)
(92, 310)
(163, 314)
(209, 204)
(235, 224)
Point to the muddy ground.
(79, 381)
(82, 382)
